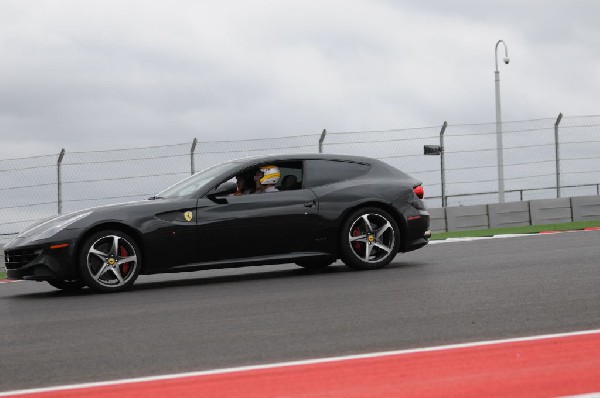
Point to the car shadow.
(201, 280)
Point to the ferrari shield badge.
(188, 216)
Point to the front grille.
(16, 259)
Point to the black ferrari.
(303, 209)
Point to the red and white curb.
(564, 364)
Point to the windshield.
(194, 183)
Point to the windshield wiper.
(155, 197)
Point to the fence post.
(323, 134)
(61, 155)
(556, 147)
(443, 164)
(192, 155)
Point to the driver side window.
(264, 178)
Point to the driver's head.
(270, 175)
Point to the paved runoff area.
(507, 317)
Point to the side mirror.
(216, 195)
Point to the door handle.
(310, 203)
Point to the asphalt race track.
(443, 294)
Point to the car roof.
(304, 156)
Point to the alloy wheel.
(112, 261)
(372, 238)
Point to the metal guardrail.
(520, 191)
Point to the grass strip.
(2, 275)
(528, 229)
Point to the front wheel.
(110, 261)
(370, 239)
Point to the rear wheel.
(69, 286)
(370, 239)
(110, 261)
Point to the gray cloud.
(99, 75)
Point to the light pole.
(499, 124)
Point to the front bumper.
(39, 262)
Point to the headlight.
(54, 229)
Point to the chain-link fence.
(544, 158)
(34, 188)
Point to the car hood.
(98, 211)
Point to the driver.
(266, 178)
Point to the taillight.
(419, 191)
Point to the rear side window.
(323, 172)
(291, 176)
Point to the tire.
(102, 261)
(369, 239)
(316, 264)
(67, 286)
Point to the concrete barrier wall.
(535, 212)
(437, 220)
(586, 208)
(550, 211)
(509, 214)
(467, 217)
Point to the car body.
(359, 209)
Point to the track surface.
(442, 294)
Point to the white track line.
(297, 363)
(454, 240)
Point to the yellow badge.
(188, 216)
(371, 238)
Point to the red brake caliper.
(123, 253)
(356, 244)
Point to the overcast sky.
(89, 75)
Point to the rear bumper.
(417, 232)
(416, 244)
(414, 222)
